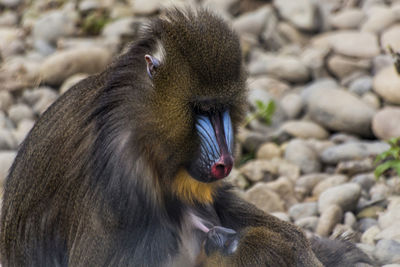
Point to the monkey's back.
(42, 174)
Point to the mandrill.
(127, 167)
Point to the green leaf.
(386, 166)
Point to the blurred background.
(324, 96)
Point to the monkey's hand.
(254, 246)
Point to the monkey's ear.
(152, 64)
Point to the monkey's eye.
(152, 65)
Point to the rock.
(301, 13)
(253, 22)
(51, 26)
(330, 216)
(264, 198)
(304, 129)
(340, 110)
(284, 187)
(353, 167)
(257, 170)
(268, 151)
(281, 216)
(386, 123)
(308, 181)
(391, 232)
(361, 85)
(292, 105)
(314, 58)
(371, 100)
(300, 154)
(71, 81)
(11, 42)
(288, 68)
(10, 3)
(89, 5)
(145, 7)
(19, 73)
(275, 88)
(368, 237)
(365, 180)
(347, 19)
(349, 43)
(392, 214)
(7, 141)
(22, 130)
(378, 19)
(352, 151)
(286, 168)
(345, 196)
(342, 66)
(40, 98)
(391, 37)
(386, 84)
(6, 159)
(61, 65)
(120, 27)
(370, 212)
(8, 18)
(327, 183)
(302, 210)
(19, 112)
(379, 191)
(308, 223)
(5, 100)
(365, 223)
(350, 220)
(387, 251)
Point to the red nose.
(222, 167)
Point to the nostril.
(221, 169)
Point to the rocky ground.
(325, 64)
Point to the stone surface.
(328, 182)
(292, 105)
(347, 19)
(264, 198)
(387, 251)
(71, 81)
(253, 22)
(391, 36)
(5, 100)
(330, 216)
(341, 111)
(304, 129)
(50, 27)
(308, 223)
(386, 123)
(61, 65)
(350, 43)
(19, 112)
(342, 66)
(288, 68)
(300, 154)
(302, 210)
(284, 187)
(378, 19)
(269, 151)
(368, 237)
(386, 84)
(301, 13)
(361, 85)
(345, 196)
(6, 159)
(257, 170)
(352, 151)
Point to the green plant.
(263, 111)
(390, 159)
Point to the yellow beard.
(190, 190)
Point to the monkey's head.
(194, 65)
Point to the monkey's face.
(196, 72)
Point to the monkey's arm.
(272, 234)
